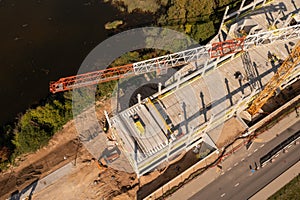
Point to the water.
(43, 40)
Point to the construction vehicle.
(108, 157)
(139, 124)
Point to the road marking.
(243, 159)
(223, 195)
(236, 164)
(276, 155)
(229, 169)
(222, 173)
(255, 150)
(262, 145)
(249, 154)
(236, 185)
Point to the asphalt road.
(239, 182)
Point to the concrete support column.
(159, 88)
(107, 118)
(241, 7)
(264, 2)
(169, 149)
(254, 4)
(189, 137)
(204, 68)
(212, 117)
(139, 98)
(216, 62)
(237, 106)
(178, 81)
(223, 19)
(288, 20)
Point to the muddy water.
(43, 40)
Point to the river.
(43, 40)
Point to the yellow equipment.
(282, 73)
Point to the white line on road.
(236, 164)
(243, 159)
(223, 195)
(249, 154)
(229, 169)
(255, 150)
(262, 145)
(236, 185)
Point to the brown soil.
(62, 149)
(160, 179)
(36, 165)
(230, 130)
(87, 181)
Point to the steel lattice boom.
(200, 54)
(282, 73)
(91, 78)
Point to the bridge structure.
(218, 82)
(180, 116)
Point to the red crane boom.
(172, 60)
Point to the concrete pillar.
(254, 4)
(223, 19)
(241, 7)
(216, 62)
(212, 117)
(204, 68)
(139, 98)
(264, 2)
(237, 106)
(288, 20)
(107, 118)
(169, 149)
(159, 88)
(189, 137)
(178, 81)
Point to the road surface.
(240, 182)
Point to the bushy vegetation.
(37, 125)
(199, 19)
(34, 128)
(151, 6)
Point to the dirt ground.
(87, 180)
(62, 149)
(226, 133)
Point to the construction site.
(219, 91)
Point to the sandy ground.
(87, 180)
(225, 133)
(62, 149)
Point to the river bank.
(46, 40)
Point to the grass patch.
(289, 191)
